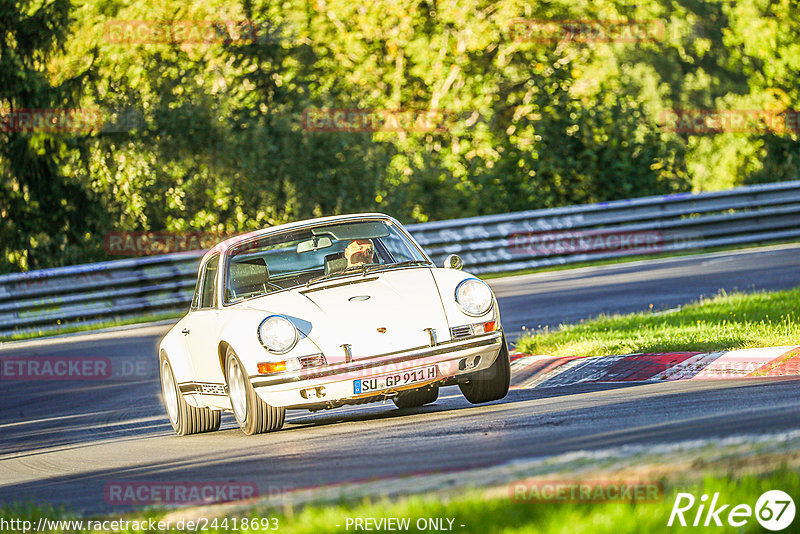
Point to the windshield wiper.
(324, 277)
(364, 269)
(352, 270)
(398, 264)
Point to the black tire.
(184, 418)
(253, 414)
(416, 397)
(490, 384)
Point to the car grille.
(314, 360)
(458, 332)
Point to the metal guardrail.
(52, 299)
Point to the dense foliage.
(213, 127)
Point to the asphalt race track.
(64, 442)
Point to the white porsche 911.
(322, 313)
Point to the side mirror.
(453, 261)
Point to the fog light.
(485, 328)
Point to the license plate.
(401, 378)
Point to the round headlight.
(474, 297)
(277, 334)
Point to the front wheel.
(253, 414)
(490, 384)
(185, 419)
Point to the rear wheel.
(184, 418)
(253, 414)
(492, 383)
(416, 397)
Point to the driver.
(359, 252)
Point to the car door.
(201, 328)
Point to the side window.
(196, 296)
(204, 292)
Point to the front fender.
(446, 282)
(239, 330)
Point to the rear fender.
(174, 347)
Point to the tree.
(47, 217)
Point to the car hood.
(375, 314)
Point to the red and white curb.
(536, 371)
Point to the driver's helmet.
(359, 252)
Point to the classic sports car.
(322, 313)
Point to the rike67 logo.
(774, 510)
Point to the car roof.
(231, 241)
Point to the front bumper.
(332, 385)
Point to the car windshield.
(304, 256)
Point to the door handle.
(185, 331)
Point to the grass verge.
(504, 514)
(724, 322)
(481, 512)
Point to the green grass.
(78, 327)
(502, 514)
(632, 258)
(725, 322)
(485, 514)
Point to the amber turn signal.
(271, 367)
(484, 328)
